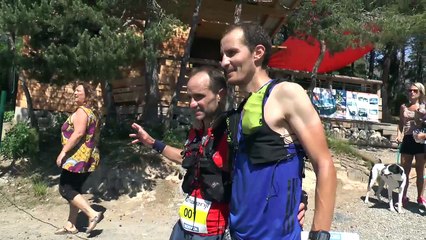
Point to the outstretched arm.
(172, 153)
(305, 122)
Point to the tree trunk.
(12, 79)
(419, 61)
(108, 97)
(314, 75)
(230, 99)
(185, 60)
(401, 72)
(237, 11)
(151, 115)
(31, 114)
(371, 64)
(386, 116)
(150, 110)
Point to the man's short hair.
(216, 76)
(254, 35)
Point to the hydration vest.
(202, 172)
(263, 145)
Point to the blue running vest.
(265, 197)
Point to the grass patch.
(342, 147)
(39, 186)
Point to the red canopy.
(301, 55)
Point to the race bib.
(193, 214)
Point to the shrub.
(20, 141)
(8, 116)
(176, 137)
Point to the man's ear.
(259, 53)
(222, 94)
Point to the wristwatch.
(319, 235)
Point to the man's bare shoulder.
(289, 90)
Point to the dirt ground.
(147, 215)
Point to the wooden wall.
(128, 91)
(51, 97)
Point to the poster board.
(349, 105)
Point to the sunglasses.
(413, 90)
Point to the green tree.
(387, 24)
(335, 24)
(159, 27)
(399, 22)
(83, 39)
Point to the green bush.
(8, 116)
(20, 141)
(176, 137)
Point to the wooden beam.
(337, 78)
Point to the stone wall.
(358, 136)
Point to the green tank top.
(253, 108)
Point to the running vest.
(202, 172)
(263, 145)
(267, 177)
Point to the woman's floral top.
(84, 157)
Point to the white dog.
(391, 175)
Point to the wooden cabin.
(129, 91)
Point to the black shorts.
(410, 147)
(73, 180)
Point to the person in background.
(204, 212)
(409, 147)
(278, 128)
(79, 157)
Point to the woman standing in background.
(409, 147)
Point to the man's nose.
(193, 103)
(225, 61)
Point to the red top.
(217, 218)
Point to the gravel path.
(150, 215)
(372, 221)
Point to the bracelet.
(158, 146)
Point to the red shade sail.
(301, 55)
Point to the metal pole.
(2, 108)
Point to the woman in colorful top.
(409, 147)
(79, 158)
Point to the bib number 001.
(193, 214)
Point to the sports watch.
(319, 235)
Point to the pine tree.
(79, 39)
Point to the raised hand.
(141, 136)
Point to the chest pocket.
(253, 109)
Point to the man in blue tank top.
(278, 128)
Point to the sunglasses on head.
(413, 90)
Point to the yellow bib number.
(193, 214)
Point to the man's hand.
(141, 136)
(303, 206)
